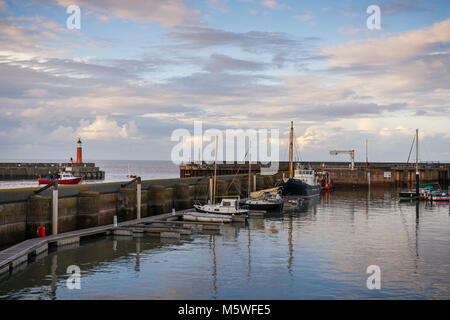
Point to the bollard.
(254, 182)
(55, 209)
(173, 210)
(115, 221)
(138, 198)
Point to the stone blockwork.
(91, 205)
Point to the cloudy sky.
(137, 70)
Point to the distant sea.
(115, 170)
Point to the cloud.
(307, 17)
(105, 129)
(256, 41)
(402, 6)
(32, 112)
(272, 4)
(388, 50)
(168, 13)
(345, 30)
(3, 5)
(220, 63)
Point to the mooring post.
(138, 198)
(254, 182)
(368, 178)
(55, 209)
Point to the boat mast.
(291, 151)
(215, 167)
(249, 167)
(417, 163)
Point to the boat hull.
(276, 206)
(200, 209)
(66, 181)
(298, 188)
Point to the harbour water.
(320, 251)
(115, 170)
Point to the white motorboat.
(226, 206)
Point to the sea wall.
(90, 205)
(32, 171)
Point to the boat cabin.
(306, 176)
(233, 203)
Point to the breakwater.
(25, 171)
(91, 205)
(374, 173)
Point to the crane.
(350, 152)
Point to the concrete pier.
(93, 205)
(381, 173)
(32, 171)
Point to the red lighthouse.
(79, 152)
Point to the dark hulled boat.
(304, 184)
(301, 183)
(263, 204)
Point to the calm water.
(320, 251)
(115, 170)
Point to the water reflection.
(321, 250)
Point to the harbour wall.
(30, 171)
(91, 205)
(381, 173)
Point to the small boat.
(63, 178)
(130, 175)
(324, 179)
(207, 217)
(226, 206)
(263, 204)
(439, 195)
(266, 200)
(425, 190)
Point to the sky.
(136, 71)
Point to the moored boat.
(63, 178)
(425, 190)
(439, 195)
(226, 207)
(266, 200)
(263, 204)
(304, 184)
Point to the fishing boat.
(225, 207)
(63, 178)
(301, 183)
(425, 190)
(324, 179)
